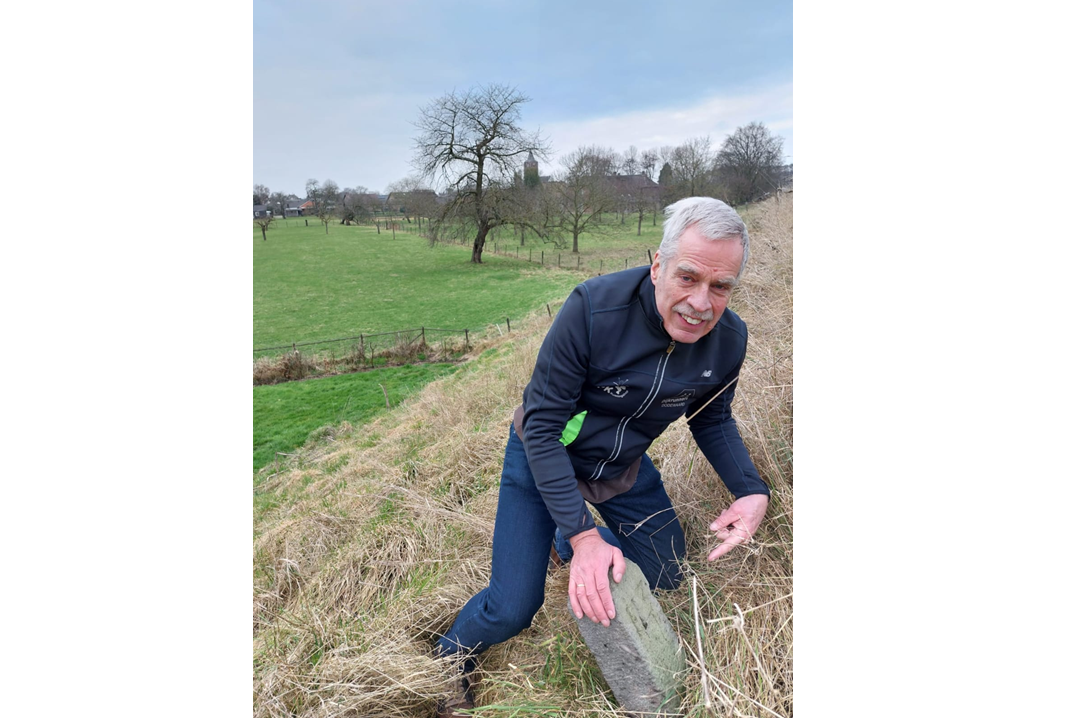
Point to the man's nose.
(699, 299)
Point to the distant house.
(408, 200)
(636, 186)
(373, 201)
(298, 206)
(262, 211)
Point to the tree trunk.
(478, 244)
(264, 234)
(522, 236)
(639, 217)
(575, 239)
(377, 230)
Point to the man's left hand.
(738, 523)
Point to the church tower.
(532, 171)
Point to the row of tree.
(472, 145)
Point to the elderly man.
(627, 355)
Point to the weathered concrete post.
(639, 653)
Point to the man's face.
(694, 287)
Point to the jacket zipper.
(658, 380)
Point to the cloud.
(716, 116)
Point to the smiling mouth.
(691, 320)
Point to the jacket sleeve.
(717, 435)
(549, 401)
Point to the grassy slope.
(286, 414)
(376, 537)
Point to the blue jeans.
(642, 523)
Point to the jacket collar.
(647, 297)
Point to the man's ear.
(655, 270)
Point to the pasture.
(286, 415)
(309, 285)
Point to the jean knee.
(518, 618)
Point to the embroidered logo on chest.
(617, 388)
(678, 400)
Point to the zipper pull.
(670, 347)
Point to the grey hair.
(714, 219)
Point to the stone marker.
(639, 653)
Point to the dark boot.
(457, 696)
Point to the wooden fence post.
(466, 338)
(507, 324)
(549, 309)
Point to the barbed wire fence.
(296, 361)
(567, 260)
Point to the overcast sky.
(337, 85)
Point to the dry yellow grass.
(382, 533)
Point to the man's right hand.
(589, 591)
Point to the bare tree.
(583, 190)
(629, 162)
(414, 198)
(324, 198)
(649, 159)
(749, 162)
(691, 165)
(311, 192)
(264, 222)
(260, 195)
(328, 210)
(472, 142)
(279, 200)
(643, 198)
(355, 205)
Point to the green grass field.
(286, 414)
(309, 285)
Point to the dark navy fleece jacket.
(607, 354)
